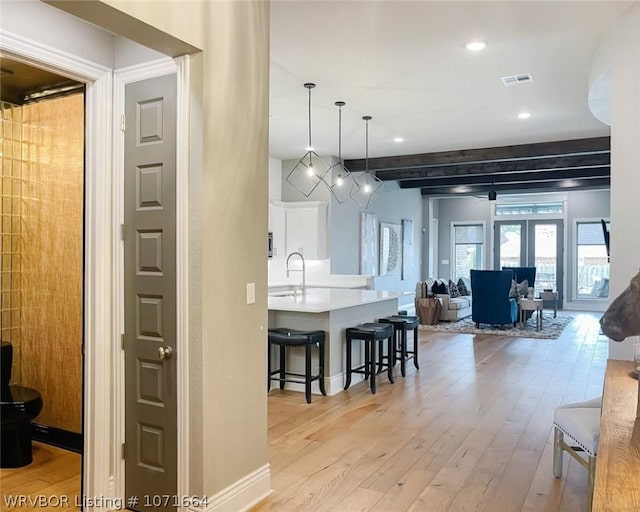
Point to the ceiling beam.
(520, 177)
(540, 150)
(494, 168)
(548, 186)
(560, 165)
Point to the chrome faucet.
(304, 280)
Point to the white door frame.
(122, 77)
(103, 301)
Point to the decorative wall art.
(390, 248)
(368, 244)
(407, 249)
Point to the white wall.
(620, 50)
(275, 179)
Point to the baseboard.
(71, 441)
(241, 495)
(586, 305)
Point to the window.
(592, 268)
(468, 249)
(529, 209)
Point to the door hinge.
(123, 123)
(123, 231)
(122, 341)
(124, 450)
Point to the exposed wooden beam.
(541, 150)
(518, 177)
(576, 162)
(548, 186)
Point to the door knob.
(165, 352)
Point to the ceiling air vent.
(517, 79)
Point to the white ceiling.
(404, 63)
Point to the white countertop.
(320, 300)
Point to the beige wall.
(231, 205)
(42, 266)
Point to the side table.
(531, 305)
(551, 296)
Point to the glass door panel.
(545, 257)
(532, 243)
(510, 248)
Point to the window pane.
(468, 249)
(510, 245)
(529, 209)
(592, 275)
(590, 233)
(546, 257)
(468, 234)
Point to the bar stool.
(370, 333)
(576, 428)
(284, 337)
(402, 324)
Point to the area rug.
(551, 327)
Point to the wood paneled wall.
(51, 258)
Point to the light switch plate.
(251, 293)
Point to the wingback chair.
(522, 273)
(491, 302)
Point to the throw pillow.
(453, 290)
(462, 288)
(444, 286)
(513, 292)
(439, 288)
(523, 288)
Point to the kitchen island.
(331, 310)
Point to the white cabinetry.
(299, 226)
(278, 226)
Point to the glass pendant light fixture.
(339, 180)
(369, 186)
(310, 170)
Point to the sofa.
(453, 308)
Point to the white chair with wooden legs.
(577, 429)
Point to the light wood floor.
(54, 472)
(470, 431)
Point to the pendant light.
(369, 185)
(492, 193)
(310, 170)
(339, 180)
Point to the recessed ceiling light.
(475, 46)
(398, 139)
(524, 115)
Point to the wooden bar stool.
(372, 334)
(401, 325)
(284, 337)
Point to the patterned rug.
(551, 327)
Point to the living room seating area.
(456, 298)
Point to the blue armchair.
(491, 302)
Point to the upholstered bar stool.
(401, 325)
(577, 429)
(284, 338)
(372, 334)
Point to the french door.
(532, 243)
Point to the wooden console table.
(617, 485)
